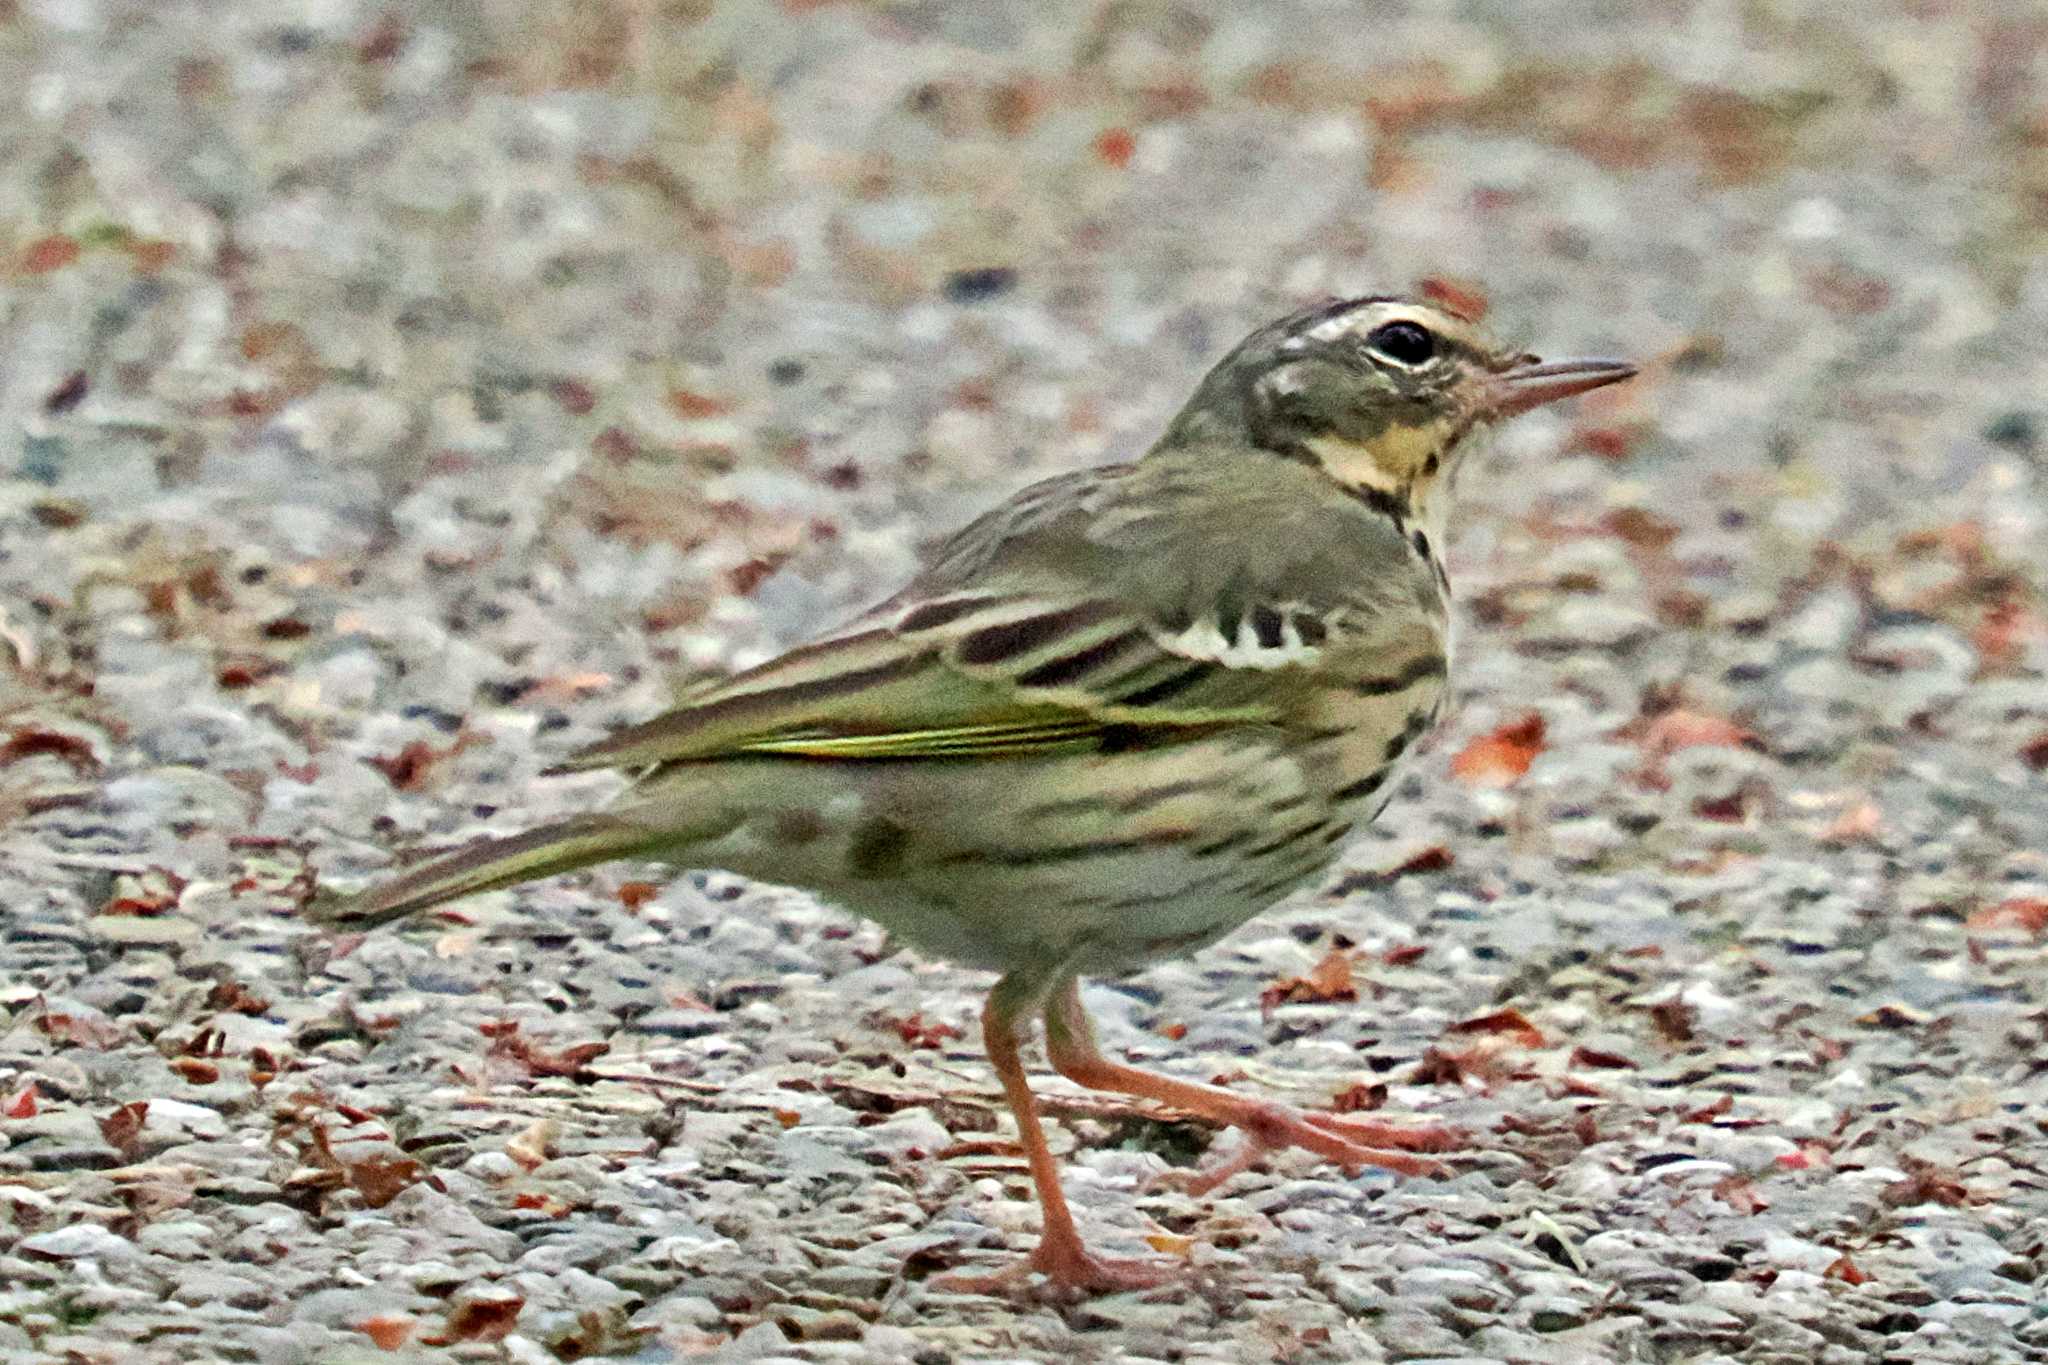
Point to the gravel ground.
(400, 396)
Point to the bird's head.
(1379, 393)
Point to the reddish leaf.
(1681, 728)
(124, 1125)
(1500, 758)
(633, 895)
(2028, 914)
(382, 1179)
(1404, 955)
(1740, 1193)
(1360, 1096)
(1432, 859)
(489, 1319)
(45, 254)
(695, 406)
(234, 998)
(1612, 1061)
(196, 1070)
(27, 743)
(1460, 298)
(2034, 753)
(387, 1333)
(22, 1103)
(1927, 1183)
(1115, 147)
(1329, 980)
(93, 1030)
(919, 1032)
(1675, 1020)
(1844, 1269)
(1510, 1023)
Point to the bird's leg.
(1060, 1256)
(1268, 1126)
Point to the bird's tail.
(487, 865)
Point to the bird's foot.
(1069, 1269)
(1354, 1144)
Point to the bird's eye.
(1405, 343)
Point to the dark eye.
(1408, 343)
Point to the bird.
(1106, 723)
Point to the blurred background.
(400, 395)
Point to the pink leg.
(1268, 1126)
(1061, 1257)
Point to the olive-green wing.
(964, 674)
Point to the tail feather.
(486, 865)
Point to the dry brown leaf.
(1926, 1183)
(123, 1126)
(1675, 1019)
(1359, 1097)
(534, 1144)
(1844, 1269)
(1509, 1023)
(387, 1333)
(482, 1319)
(1499, 759)
(1740, 1193)
(1329, 980)
(2028, 914)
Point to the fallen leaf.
(918, 1031)
(409, 768)
(534, 1144)
(1170, 1244)
(1329, 980)
(386, 1333)
(1675, 1019)
(694, 406)
(45, 254)
(1926, 1183)
(2028, 914)
(1510, 1023)
(1115, 147)
(1611, 1061)
(1844, 1269)
(1359, 1097)
(482, 1319)
(2034, 753)
(382, 1179)
(22, 1103)
(633, 895)
(235, 998)
(1740, 1193)
(1499, 759)
(1460, 298)
(73, 751)
(123, 1126)
(84, 1029)
(195, 1070)
(1404, 955)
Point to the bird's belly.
(1099, 862)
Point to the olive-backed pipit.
(1111, 720)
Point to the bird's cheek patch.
(1389, 462)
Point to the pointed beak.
(1530, 383)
